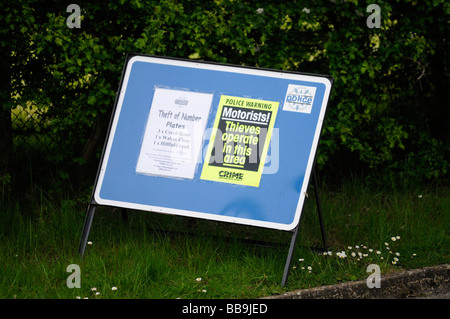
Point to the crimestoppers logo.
(299, 98)
(231, 175)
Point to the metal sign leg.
(295, 235)
(86, 229)
(289, 258)
(319, 209)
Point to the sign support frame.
(292, 245)
(92, 206)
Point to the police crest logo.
(299, 98)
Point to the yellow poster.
(239, 141)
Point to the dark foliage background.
(387, 114)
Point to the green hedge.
(391, 83)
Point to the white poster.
(174, 133)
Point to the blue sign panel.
(213, 141)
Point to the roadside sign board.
(213, 141)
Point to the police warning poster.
(239, 140)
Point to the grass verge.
(161, 256)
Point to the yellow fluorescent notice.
(239, 141)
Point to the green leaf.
(91, 99)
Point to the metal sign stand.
(287, 267)
(92, 206)
(86, 228)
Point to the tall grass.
(161, 256)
